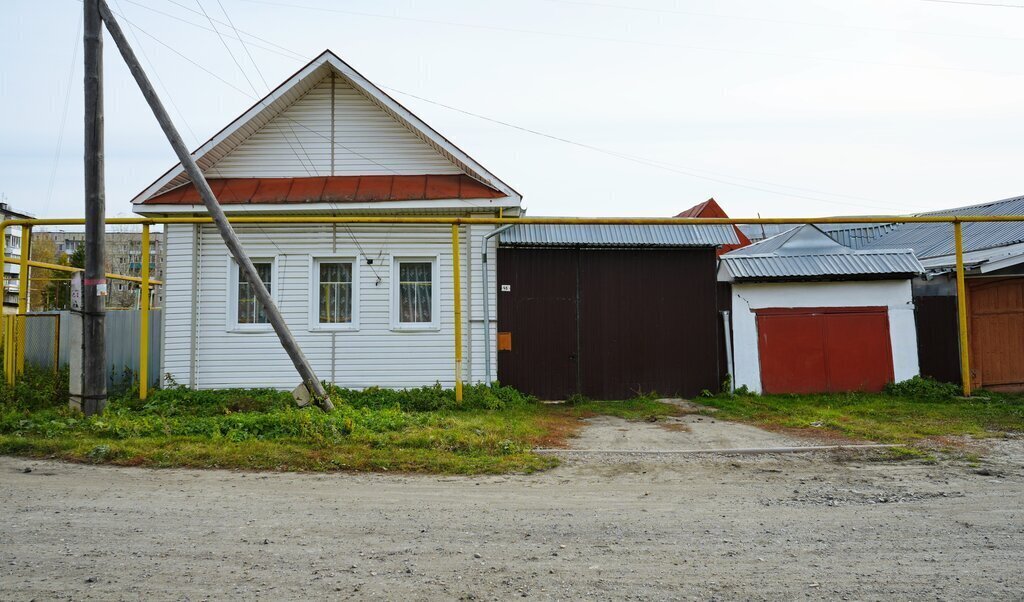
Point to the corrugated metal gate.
(47, 337)
(608, 323)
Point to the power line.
(995, 4)
(645, 161)
(629, 41)
(632, 158)
(337, 207)
(226, 47)
(291, 54)
(160, 81)
(689, 13)
(63, 118)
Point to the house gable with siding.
(327, 142)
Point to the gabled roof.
(711, 208)
(603, 235)
(808, 253)
(801, 240)
(291, 90)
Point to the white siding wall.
(177, 314)
(372, 355)
(896, 295)
(297, 143)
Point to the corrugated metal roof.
(806, 239)
(602, 235)
(856, 236)
(808, 252)
(936, 240)
(853, 235)
(856, 263)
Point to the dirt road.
(809, 526)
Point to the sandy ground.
(808, 526)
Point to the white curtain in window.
(250, 311)
(335, 293)
(415, 291)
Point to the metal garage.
(609, 311)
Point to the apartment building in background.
(124, 256)
(12, 249)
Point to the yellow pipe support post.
(457, 277)
(9, 348)
(23, 281)
(961, 306)
(71, 270)
(144, 317)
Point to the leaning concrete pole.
(94, 289)
(302, 365)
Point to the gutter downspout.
(727, 326)
(485, 239)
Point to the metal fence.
(44, 330)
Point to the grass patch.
(493, 430)
(640, 408)
(912, 412)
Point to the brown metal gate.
(997, 333)
(609, 324)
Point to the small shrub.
(432, 398)
(922, 388)
(577, 399)
(36, 389)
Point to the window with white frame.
(415, 292)
(334, 293)
(248, 311)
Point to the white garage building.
(810, 315)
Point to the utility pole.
(302, 365)
(94, 290)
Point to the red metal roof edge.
(332, 189)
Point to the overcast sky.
(777, 107)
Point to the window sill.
(334, 328)
(415, 328)
(251, 329)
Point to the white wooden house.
(369, 304)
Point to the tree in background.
(53, 290)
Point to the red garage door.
(824, 350)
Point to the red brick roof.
(331, 189)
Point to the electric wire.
(259, 227)
(240, 90)
(635, 159)
(649, 43)
(649, 162)
(347, 227)
(995, 4)
(690, 13)
(160, 81)
(63, 118)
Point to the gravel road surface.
(812, 526)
